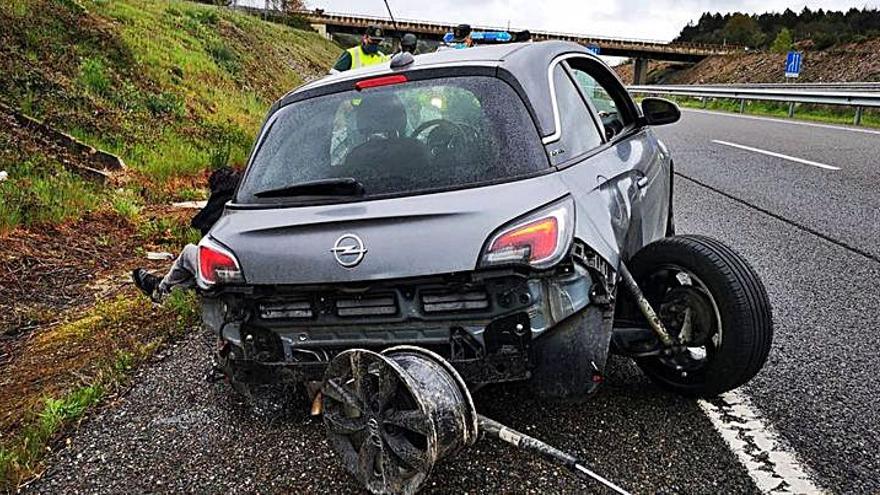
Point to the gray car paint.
(411, 236)
(621, 196)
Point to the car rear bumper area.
(483, 324)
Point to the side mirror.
(658, 111)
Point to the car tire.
(740, 306)
(569, 359)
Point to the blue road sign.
(793, 64)
(594, 49)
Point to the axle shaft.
(524, 442)
(645, 306)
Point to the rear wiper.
(345, 186)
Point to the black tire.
(741, 305)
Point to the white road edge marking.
(776, 155)
(756, 444)
(783, 121)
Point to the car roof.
(528, 63)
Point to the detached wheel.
(714, 304)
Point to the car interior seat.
(381, 120)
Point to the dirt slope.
(850, 62)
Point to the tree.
(742, 30)
(287, 5)
(783, 41)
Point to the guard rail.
(858, 98)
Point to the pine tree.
(783, 41)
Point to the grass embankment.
(172, 87)
(803, 111)
(175, 89)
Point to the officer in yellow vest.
(366, 53)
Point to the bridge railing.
(404, 23)
(842, 94)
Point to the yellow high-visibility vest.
(359, 58)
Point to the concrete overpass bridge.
(639, 50)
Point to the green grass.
(39, 191)
(168, 231)
(126, 204)
(173, 87)
(35, 438)
(803, 111)
(93, 76)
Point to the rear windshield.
(416, 136)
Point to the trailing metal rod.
(645, 306)
(522, 441)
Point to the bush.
(822, 41)
(783, 42)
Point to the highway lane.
(174, 433)
(843, 205)
(821, 386)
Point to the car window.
(415, 136)
(578, 131)
(612, 119)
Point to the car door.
(599, 176)
(637, 148)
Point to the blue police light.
(492, 37)
(483, 37)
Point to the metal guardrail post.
(857, 120)
(791, 109)
(742, 105)
(705, 101)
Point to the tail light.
(217, 265)
(539, 239)
(378, 82)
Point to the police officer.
(459, 38)
(365, 54)
(409, 43)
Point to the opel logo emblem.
(349, 250)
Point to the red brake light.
(532, 242)
(380, 81)
(539, 240)
(217, 265)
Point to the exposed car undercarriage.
(483, 322)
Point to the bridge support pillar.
(640, 71)
(322, 30)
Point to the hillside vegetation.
(175, 89)
(851, 62)
(778, 31)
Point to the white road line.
(783, 121)
(776, 155)
(756, 444)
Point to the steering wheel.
(444, 134)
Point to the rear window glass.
(415, 136)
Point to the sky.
(643, 19)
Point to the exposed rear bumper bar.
(495, 368)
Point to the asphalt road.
(814, 236)
(811, 233)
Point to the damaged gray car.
(507, 208)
